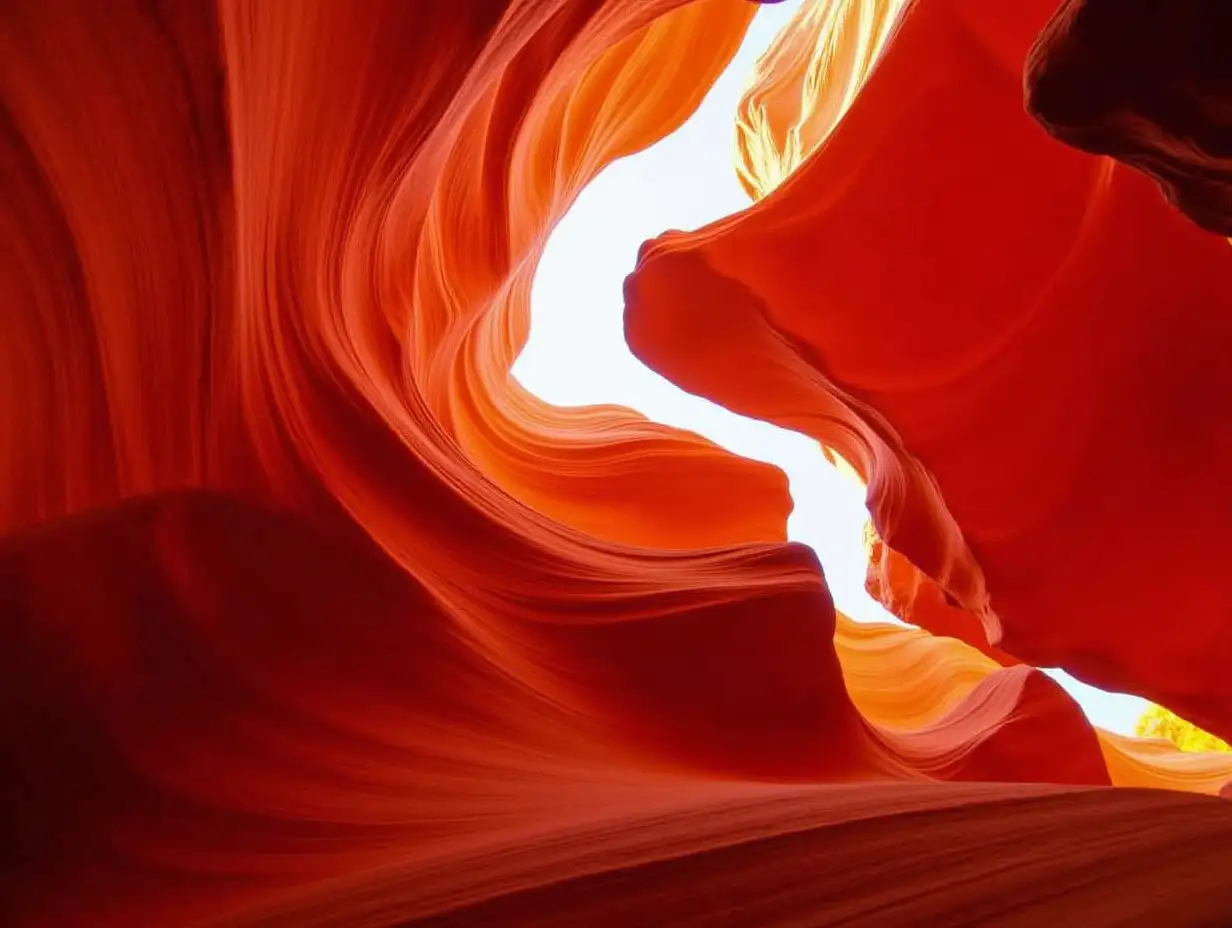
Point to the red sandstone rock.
(313, 616)
(1022, 348)
(1149, 84)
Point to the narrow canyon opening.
(577, 355)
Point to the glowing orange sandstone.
(1023, 348)
(311, 615)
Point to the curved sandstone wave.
(313, 616)
(1021, 347)
(344, 245)
(917, 599)
(805, 83)
(823, 854)
(230, 707)
(906, 680)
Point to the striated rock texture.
(804, 84)
(311, 615)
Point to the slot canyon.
(315, 614)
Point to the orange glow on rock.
(313, 615)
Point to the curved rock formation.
(907, 680)
(1155, 763)
(313, 616)
(194, 735)
(377, 321)
(1021, 348)
(805, 83)
(917, 599)
(1148, 84)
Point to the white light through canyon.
(577, 355)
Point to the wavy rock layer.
(907, 680)
(1021, 347)
(194, 736)
(313, 616)
(805, 83)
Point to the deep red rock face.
(1149, 84)
(1024, 350)
(312, 615)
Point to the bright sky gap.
(577, 355)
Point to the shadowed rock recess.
(312, 615)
